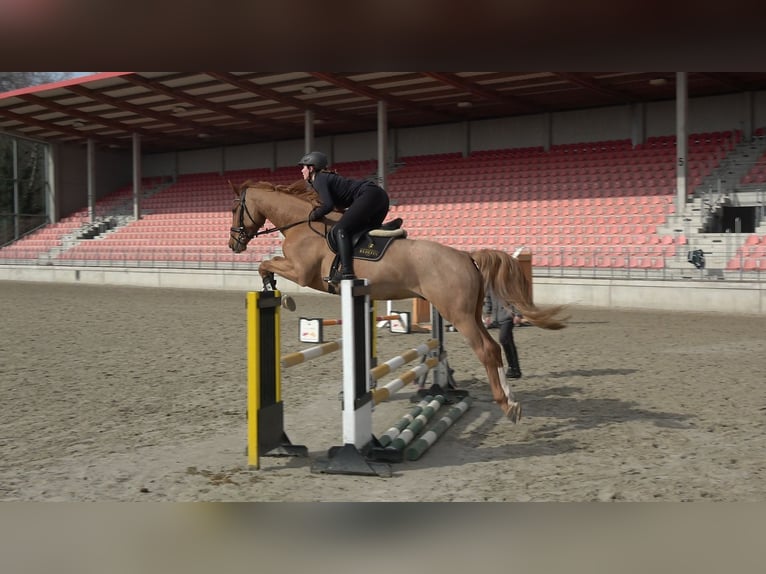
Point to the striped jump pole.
(418, 424)
(311, 330)
(329, 322)
(428, 438)
(404, 432)
(410, 355)
(384, 392)
(392, 432)
(298, 357)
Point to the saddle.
(369, 244)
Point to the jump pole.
(428, 438)
(392, 432)
(311, 330)
(265, 417)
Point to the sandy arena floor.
(135, 394)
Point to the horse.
(453, 281)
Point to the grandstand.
(582, 170)
(590, 209)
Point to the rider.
(366, 205)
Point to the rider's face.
(305, 171)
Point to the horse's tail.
(503, 274)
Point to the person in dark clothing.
(366, 205)
(495, 313)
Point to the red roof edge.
(63, 83)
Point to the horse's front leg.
(269, 281)
(276, 266)
(280, 266)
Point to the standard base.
(347, 459)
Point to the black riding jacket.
(335, 191)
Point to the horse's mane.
(299, 189)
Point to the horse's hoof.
(512, 410)
(288, 303)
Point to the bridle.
(243, 236)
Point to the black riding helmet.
(315, 158)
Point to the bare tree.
(17, 80)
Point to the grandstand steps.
(733, 168)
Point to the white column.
(382, 142)
(136, 176)
(682, 140)
(91, 171)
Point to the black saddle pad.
(370, 247)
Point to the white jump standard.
(361, 452)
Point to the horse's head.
(246, 220)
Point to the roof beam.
(285, 99)
(377, 95)
(145, 111)
(180, 95)
(26, 119)
(484, 93)
(91, 118)
(595, 86)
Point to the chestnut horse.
(452, 281)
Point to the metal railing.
(633, 263)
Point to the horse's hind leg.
(489, 354)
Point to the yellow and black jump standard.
(265, 416)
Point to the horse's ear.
(234, 187)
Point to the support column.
(308, 130)
(137, 176)
(682, 141)
(91, 171)
(16, 202)
(382, 142)
(638, 123)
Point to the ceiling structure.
(191, 110)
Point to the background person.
(505, 318)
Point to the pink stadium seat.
(753, 264)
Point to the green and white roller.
(393, 432)
(424, 442)
(417, 425)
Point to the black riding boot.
(346, 252)
(514, 369)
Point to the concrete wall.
(112, 171)
(701, 296)
(586, 126)
(694, 296)
(501, 133)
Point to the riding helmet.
(315, 158)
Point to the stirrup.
(334, 278)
